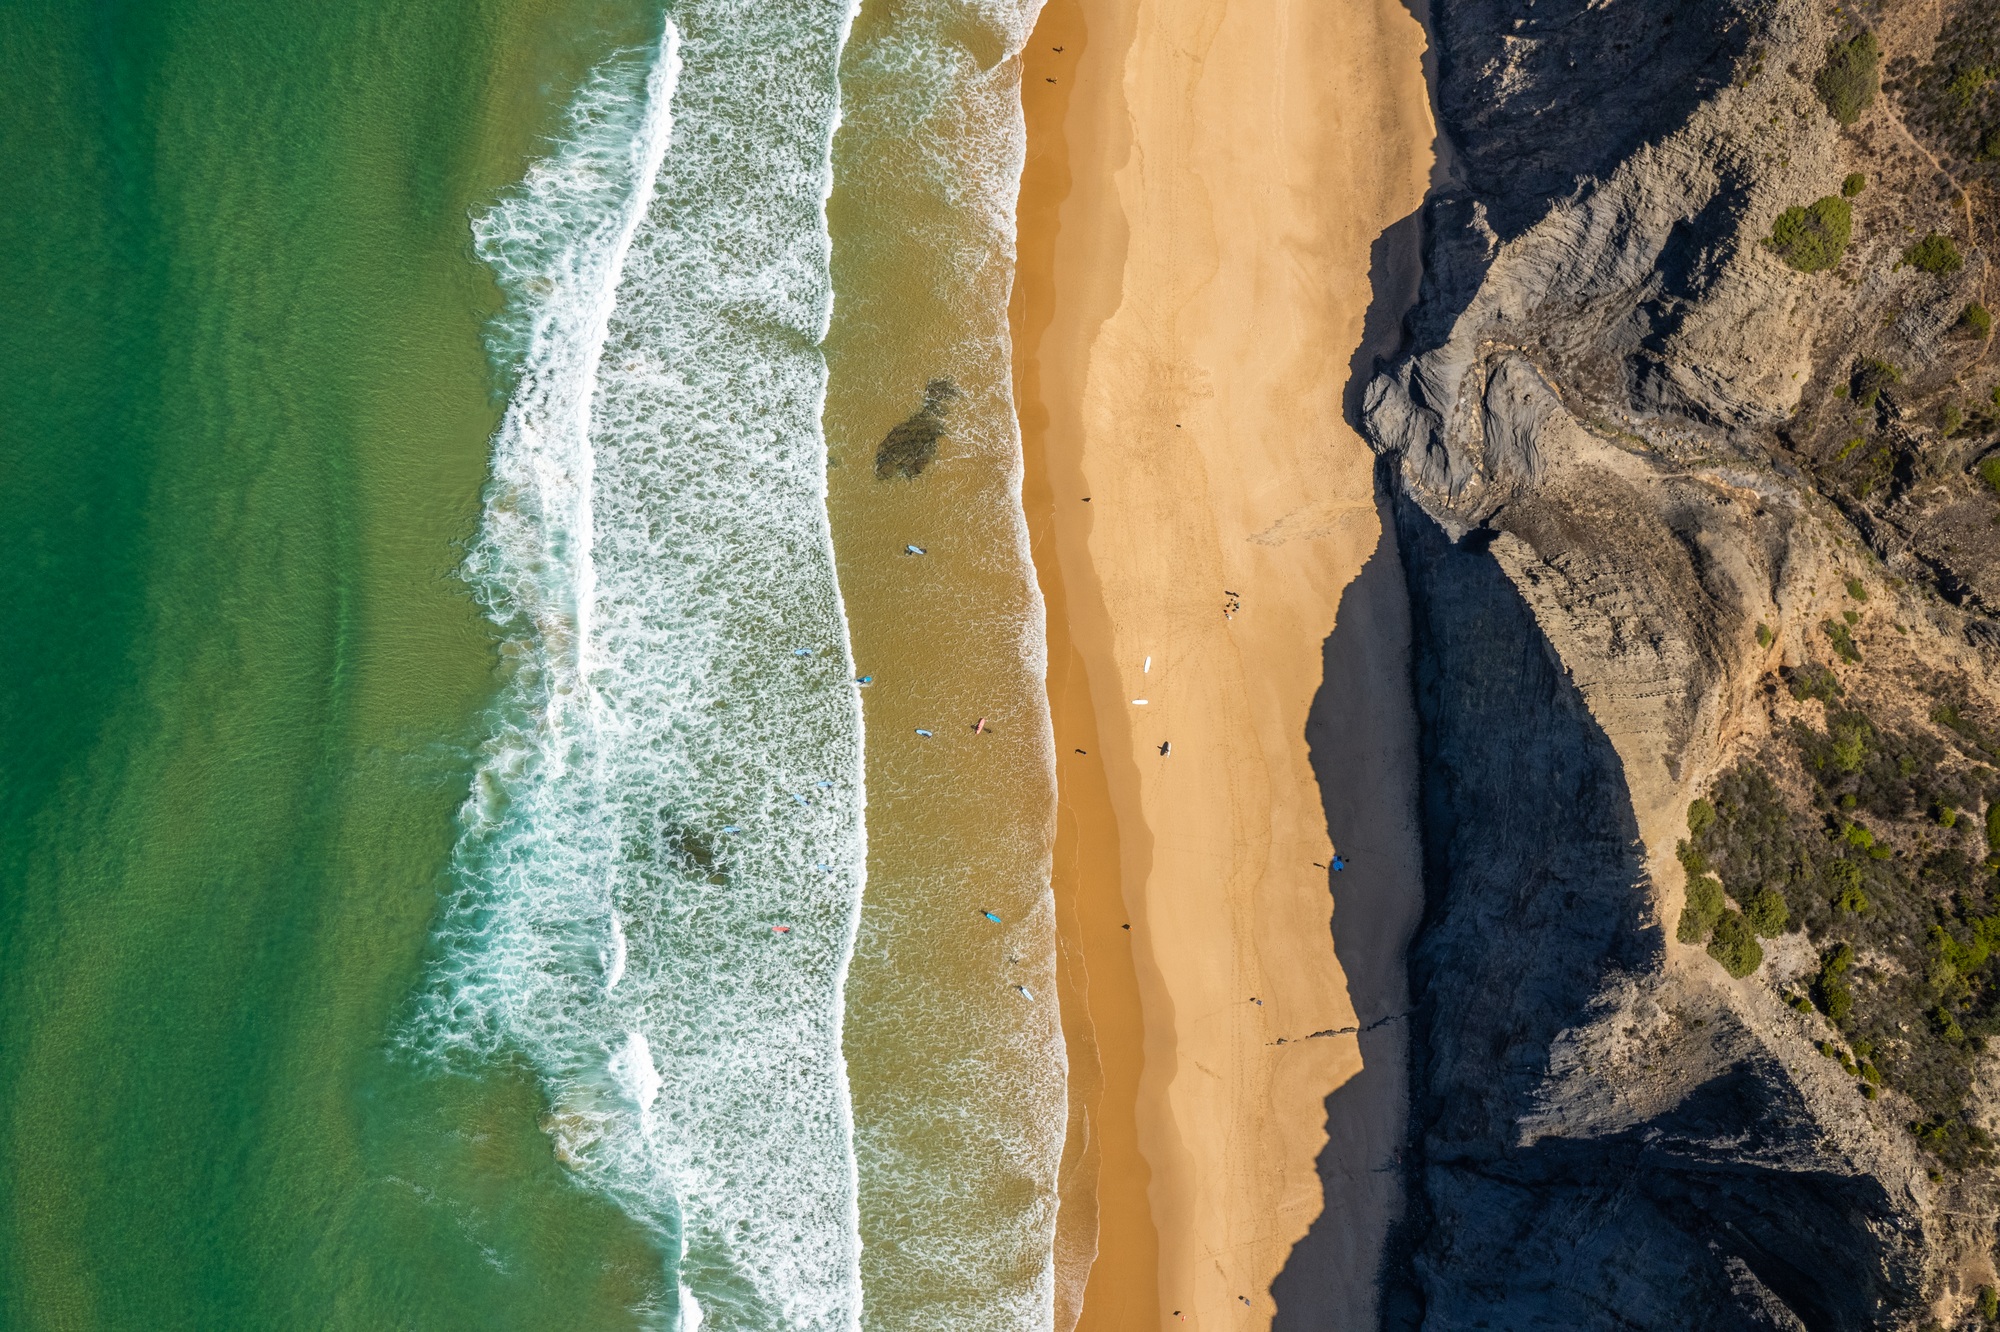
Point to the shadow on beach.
(1362, 735)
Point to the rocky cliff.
(1692, 445)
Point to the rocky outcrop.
(1611, 443)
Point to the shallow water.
(952, 1039)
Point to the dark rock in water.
(913, 444)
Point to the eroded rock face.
(1616, 526)
(1601, 1140)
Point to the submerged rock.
(912, 444)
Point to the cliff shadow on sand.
(1362, 735)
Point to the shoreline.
(1107, 1248)
(1185, 309)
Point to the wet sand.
(1203, 187)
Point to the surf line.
(588, 915)
(558, 244)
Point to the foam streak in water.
(661, 865)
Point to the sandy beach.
(1203, 188)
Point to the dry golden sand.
(1204, 183)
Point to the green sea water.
(292, 1032)
(244, 414)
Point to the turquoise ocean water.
(436, 791)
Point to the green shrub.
(1830, 990)
(1848, 81)
(1965, 86)
(1764, 636)
(1950, 419)
(1872, 376)
(1701, 817)
(1977, 319)
(1840, 876)
(1843, 642)
(1766, 913)
(1814, 682)
(1993, 827)
(1989, 472)
(1812, 239)
(1989, 147)
(1936, 254)
(1857, 589)
(1705, 906)
(1842, 749)
(1853, 185)
(1735, 946)
(1989, 1304)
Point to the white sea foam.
(655, 549)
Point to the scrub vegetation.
(1813, 238)
(1849, 79)
(1880, 842)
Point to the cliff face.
(1649, 457)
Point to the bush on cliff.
(1843, 883)
(1701, 817)
(1766, 913)
(1735, 945)
(1848, 81)
(1813, 682)
(1705, 906)
(1936, 254)
(1812, 239)
(1829, 989)
(1871, 377)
